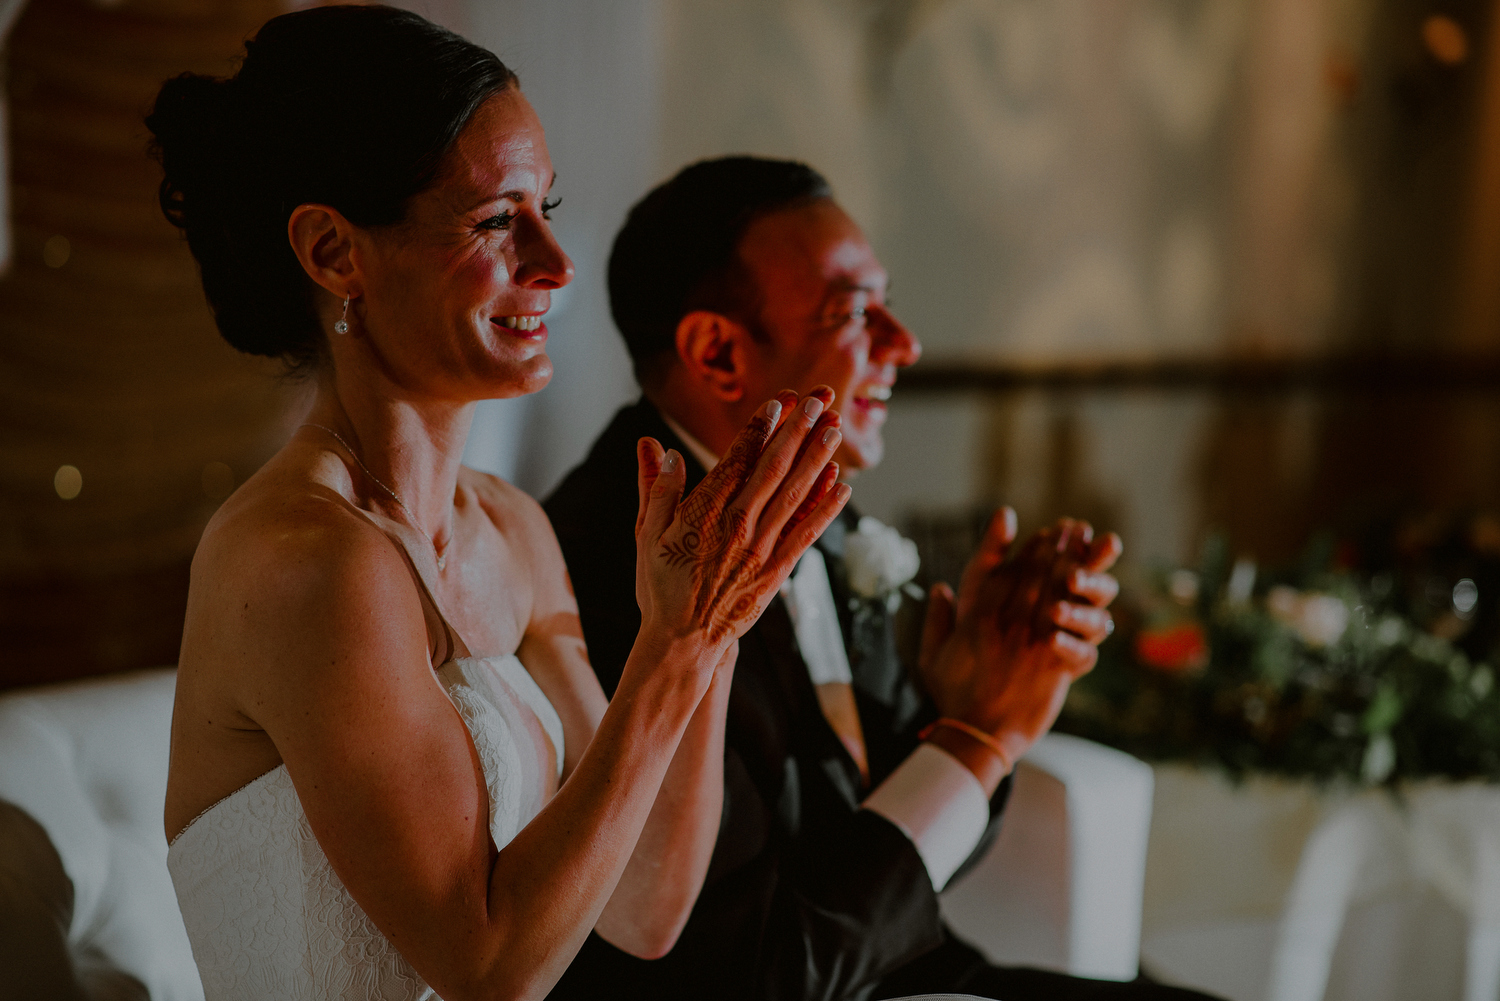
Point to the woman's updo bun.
(351, 107)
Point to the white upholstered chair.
(88, 761)
(1062, 887)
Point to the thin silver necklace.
(442, 557)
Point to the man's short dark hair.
(678, 250)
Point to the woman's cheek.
(482, 275)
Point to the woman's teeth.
(521, 322)
(878, 392)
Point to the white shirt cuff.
(939, 804)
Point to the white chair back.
(88, 760)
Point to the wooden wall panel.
(109, 360)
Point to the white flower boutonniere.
(881, 563)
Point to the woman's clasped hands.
(707, 564)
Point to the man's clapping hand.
(1000, 657)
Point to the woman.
(393, 772)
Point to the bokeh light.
(218, 481)
(67, 481)
(56, 251)
(1445, 39)
(1465, 598)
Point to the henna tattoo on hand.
(715, 540)
(678, 553)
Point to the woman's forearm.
(660, 884)
(549, 885)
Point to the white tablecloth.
(1276, 890)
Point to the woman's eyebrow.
(516, 195)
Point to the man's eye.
(501, 221)
(844, 317)
(548, 204)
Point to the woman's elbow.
(648, 940)
(657, 945)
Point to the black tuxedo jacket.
(807, 896)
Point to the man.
(850, 798)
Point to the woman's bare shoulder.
(291, 547)
(289, 516)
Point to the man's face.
(825, 321)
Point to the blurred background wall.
(1179, 266)
(124, 420)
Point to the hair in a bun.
(351, 107)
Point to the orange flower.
(1174, 648)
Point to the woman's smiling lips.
(527, 326)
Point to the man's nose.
(540, 259)
(891, 343)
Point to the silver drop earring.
(342, 325)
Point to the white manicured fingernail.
(813, 407)
(773, 410)
(831, 437)
(669, 465)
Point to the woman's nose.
(540, 260)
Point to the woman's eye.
(548, 204)
(501, 221)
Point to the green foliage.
(1379, 700)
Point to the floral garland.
(1323, 672)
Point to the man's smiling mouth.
(523, 323)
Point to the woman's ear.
(323, 241)
(713, 348)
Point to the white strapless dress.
(267, 916)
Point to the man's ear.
(712, 348)
(323, 241)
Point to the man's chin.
(854, 459)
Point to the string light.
(56, 251)
(1445, 39)
(67, 481)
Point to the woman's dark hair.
(679, 250)
(347, 106)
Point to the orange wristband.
(972, 731)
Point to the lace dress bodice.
(267, 916)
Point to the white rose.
(1324, 619)
(879, 559)
(1320, 619)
